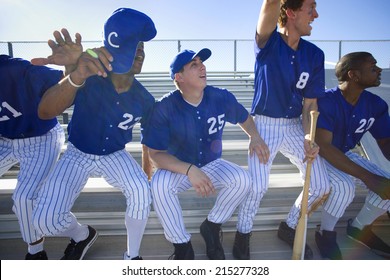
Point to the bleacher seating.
(103, 206)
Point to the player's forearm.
(163, 160)
(339, 160)
(57, 99)
(384, 145)
(147, 165)
(309, 104)
(268, 18)
(249, 127)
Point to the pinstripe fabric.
(37, 156)
(285, 136)
(55, 200)
(231, 181)
(343, 187)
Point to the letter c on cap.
(109, 39)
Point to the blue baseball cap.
(184, 57)
(122, 32)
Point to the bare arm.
(199, 180)
(56, 99)
(146, 162)
(338, 159)
(256, 145)
(268, 19)
(311, 151)
(384, 145)
(65, 52)
(59, 97)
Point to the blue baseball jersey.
(283, 77)
(103, 120)
(349, 123)
(22, 87)
(193, 134)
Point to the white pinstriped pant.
(37, 156)
(231, 181)
(286, 136)
(343, 187)
(56, 198)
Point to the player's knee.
(343, 193)
(42, 219)
(21, 199)
(39, 222)
(242, 180)
(157, 187)
(259, 186)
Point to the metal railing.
(228, 55)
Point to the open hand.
(259, 147)
(65, 52)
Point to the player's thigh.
(272, 133)
(292, 146)
(69, 175)
(168, 182)
(366, 164)
(37, 157)
(341, 183)
(7, 159)
(223, 173)
(122, 171)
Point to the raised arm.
(268, 19)
(65, 52)
(59, 97)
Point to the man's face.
(305, 16)
(194, 73)
(138, 59)
(370, 73)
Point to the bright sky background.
(35, 20)
(26, 20)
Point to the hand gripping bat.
(301, 229)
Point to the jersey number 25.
(216, 124)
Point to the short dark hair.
(351, 61)
(288, 4)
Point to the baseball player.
(106, 108)
(289, 77)
(347, 113)
(185, 143)
(25, 139)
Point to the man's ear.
(290, 13)
(353, 75)
(178, 77)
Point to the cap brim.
(123, 61)
(203, 54)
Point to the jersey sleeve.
(270, 42)
(148, 104)
(381, 127)
(156, 134)
(235, 111)
(316, 87)
(42, 78)
(326, 117)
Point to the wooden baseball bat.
(301, 229)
